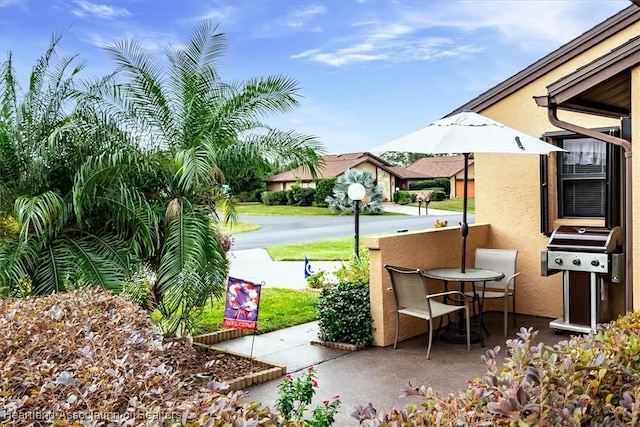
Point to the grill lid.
(586, 239)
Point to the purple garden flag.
(242, 304)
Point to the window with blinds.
(582, 178)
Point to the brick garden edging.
(240, 383)
(338, 345)
(218, 336)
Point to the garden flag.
(242, 304)
(307, 268)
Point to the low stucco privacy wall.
(433, 248)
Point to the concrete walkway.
(257, 266)
(374, 375)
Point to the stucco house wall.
(428, 249)
(510, 196)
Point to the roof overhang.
(602, 87)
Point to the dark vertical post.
(464, 227)
(357, 236)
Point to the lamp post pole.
(356, 193)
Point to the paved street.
(277, 230)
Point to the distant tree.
(340, 201)
(401, 159)
(324, 188)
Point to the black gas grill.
(590, 260)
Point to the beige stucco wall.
(508, 185)
(280, 186)
(421, 249)
(386, 183)
(507, 198)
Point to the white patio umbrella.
(467, 133)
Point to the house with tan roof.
(388, 177)
(451, 167)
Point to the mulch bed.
(208, 363)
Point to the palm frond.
(18, 261)
(39, 71)
(131, 216)
(195, 168)
(192, 269)
(9, 86)
(273, 152)
(38, 214)
(143, 94)
(54, 268)
(101, 170)
(203, 50)
(96, 264)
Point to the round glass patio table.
(470, 275)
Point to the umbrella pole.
(464, 227)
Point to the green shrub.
(321, 279)
(402, 197)
(324, 188)
(299, 196)
(591, 380)
(421, 185)
(437, 195)
(274, 198)
(250, 196)
(356, 270)
(344, 314)
(445, 184)
(438, 183)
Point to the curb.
(338, 345)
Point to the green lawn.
(237, 227)
(260, 209)
(279, 308)
(452, 205)
(338, 249)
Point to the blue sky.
(370, 70)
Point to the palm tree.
(44, 140)
(116, 183)
(340, 201)
(199, 129)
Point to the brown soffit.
(577, 46)
(602, 87)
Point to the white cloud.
(412, 31)
(529, 25)
(148, 40)
(99, 10)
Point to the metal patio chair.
(413, 299)
(504, 261)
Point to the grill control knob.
(558, 260)
(576, 261)
(595, 262)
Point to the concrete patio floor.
(376, 375)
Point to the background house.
(333, 166)
(451, 167)
(387, 176)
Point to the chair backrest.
(408, 287)
(502, 260)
